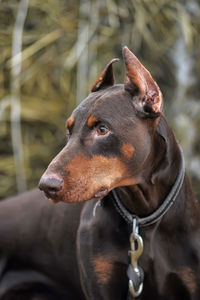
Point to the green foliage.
(67, 43)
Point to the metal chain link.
(135, 273)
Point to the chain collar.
(134, 272)
(163, 208)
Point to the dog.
(127, 224)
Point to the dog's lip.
(55, 198)
(102, 192)
(52, 197)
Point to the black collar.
(162, 209)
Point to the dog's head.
(109, 136)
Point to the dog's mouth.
(54, 197)
(84, 178)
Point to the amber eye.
(102, 130)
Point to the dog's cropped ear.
(138, 81)
(106, 78)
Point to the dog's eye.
(102, 130)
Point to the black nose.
(50, 186)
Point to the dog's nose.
(50, 186)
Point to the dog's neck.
(158, 178)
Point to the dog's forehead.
(106, 103)
(95, 98)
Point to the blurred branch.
(34, 48)
(4, 103)
(85, 33)
(15, 96)
(82, 64)
(94, 22)
(76, 51)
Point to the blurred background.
(51, 53)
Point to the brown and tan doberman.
(127, 224)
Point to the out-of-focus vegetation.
(66, 44)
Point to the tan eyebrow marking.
(127, 150)
(70, 122)
(92, 120)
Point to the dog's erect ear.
(106, 78)
(138, 79)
